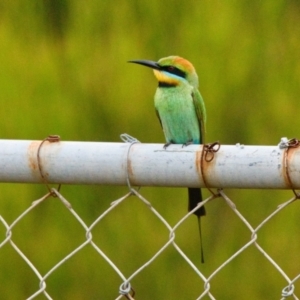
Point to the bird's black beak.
(148, 63)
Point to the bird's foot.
(167, 145)
(189, 142)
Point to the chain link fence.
(127, 276)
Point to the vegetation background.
(63, 71)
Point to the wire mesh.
(126, 290)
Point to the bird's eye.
(174, 70)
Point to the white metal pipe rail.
(236, 166)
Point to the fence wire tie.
(125, 289)
(208, 154)
(210, 150)
(126, 138)
(288, 291)
(287, 145)
(50, 139)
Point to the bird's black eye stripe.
(174, 70)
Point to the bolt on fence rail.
(136, 164)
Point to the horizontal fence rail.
(238, 166)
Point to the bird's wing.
(157, 113)
(200, 111)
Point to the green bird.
(181, 111)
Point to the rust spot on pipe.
(32, 158)
(205, 161)
(287, 158)
(201, 169)
(34, 161)
(32, 155)
(130, 173)
(198, 161)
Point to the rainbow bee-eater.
(180, 109)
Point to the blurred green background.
(63, 71)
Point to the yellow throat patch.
(162, 77)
